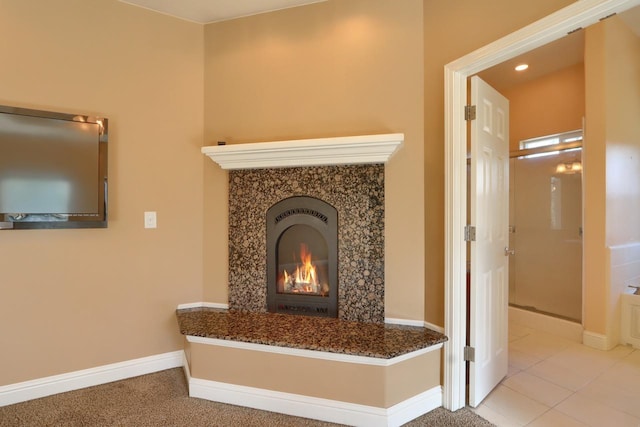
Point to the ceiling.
(207, 11)
(546, 59)
(562, 53)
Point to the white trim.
(317, 408)
(405, 322)
(203, 305)
(312, 354)
(365, 149)
(419, 323)
(434, 327)
(578, 14)
(414, 407)
(551, 325)
(597, 341)
(34, 389)
(629, 311)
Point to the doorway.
(577, 15)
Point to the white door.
(489, 198)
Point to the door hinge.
(608, 16)
(469, 233)
(469, 354)
(469, 112)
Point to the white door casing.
(579, 14)
(489, 196)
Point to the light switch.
(150, 220)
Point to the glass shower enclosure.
(545, 210)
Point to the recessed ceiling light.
(522, 67)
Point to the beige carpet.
(161, 399)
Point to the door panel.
(489, 198)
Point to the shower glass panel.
(545, 271)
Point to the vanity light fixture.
(569, 168)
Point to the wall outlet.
(150, 220)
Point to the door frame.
(577, 15)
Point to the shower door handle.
(508, 251)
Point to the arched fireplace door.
(302, 257)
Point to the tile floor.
(556, 382)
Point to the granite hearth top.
(309, 333)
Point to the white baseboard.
(41, 387)
(203, 304)
(419, 323)
(405, 322)
(317, 408)
(414, 407)
(551, 325)
(433, 327)
(597, 341)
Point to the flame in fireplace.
(304, 279)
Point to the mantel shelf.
(350, 150)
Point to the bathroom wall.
(613, 161)
(623, 166)
(546, 271)
(547, 105)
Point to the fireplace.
(340, 178)
(302, 257)
(357, 194)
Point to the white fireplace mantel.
(350, 150)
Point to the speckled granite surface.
(304, 332)
(357, 193)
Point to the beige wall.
(594, 182)
(612, 162)
(453, 29)
(330, 69)
(352, 67)
(547, 105)
(75, 299)
(623, 166)
(623, 133)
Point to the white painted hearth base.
(225, 371)
(315, 408)
(204, 358)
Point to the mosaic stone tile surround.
(357, 192)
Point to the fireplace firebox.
(302, 257)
